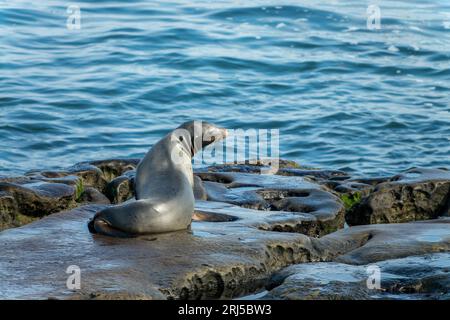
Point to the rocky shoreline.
(286, 233)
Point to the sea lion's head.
(195, 135)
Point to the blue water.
(343, 96)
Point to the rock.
(16, 180)
(252, 166)
(10, 216)
(380, 242)
(8, 211)
(40, 193)
(319, 281)
(373, 181)
(262, 220)
(319, 175)
(199, 189)
(112, 168)
(411, 278)
(84, 173)
(285, 168)
(92, 195)
(120, 189)
(220, 259)
(40, 198)
(409, 255)
(351, 187)
(95, 174)
(416, 194)
(316, 210)
(54, 177)
(90, 174)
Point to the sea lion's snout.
(198, 134)
(212, 134)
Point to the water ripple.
(345, 97)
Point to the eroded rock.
(352, 187)
(90, 175)
(8, 211)
(252, 166)
(113, 168)
(416, 194)
(92, 195)
(409, 255)
(388, 241)
(120, 189)
(96, 174)
(199, 189)
(417, 277)
(40, 198)
(39, 193)
(316, 210)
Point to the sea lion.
(163, 186)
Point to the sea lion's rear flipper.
(100, 226)
(100, 223)
(120, 220)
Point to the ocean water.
(344, 96)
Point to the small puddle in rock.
(253, 296)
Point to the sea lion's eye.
(181, 138)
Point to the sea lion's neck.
(180, 158)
